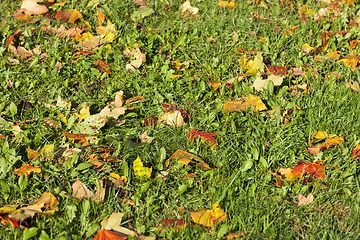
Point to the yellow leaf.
(208, 217)
(84, 113)
(140, 170)
(250, 102)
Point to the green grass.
(249, 198)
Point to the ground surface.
(197, 77)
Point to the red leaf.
(172, 108)
(207, 137)
(150, 121)
(109, 235)
(356, 152)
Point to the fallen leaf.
(91, 124)
(118, 99)
(226, 4)
(353, 85)
(208, 217)
(103, 234)
(260, 84)
(174, 119)
(314, 169)
(71, 15)
(330, 140)
(145, 138)
(81, 191)
(205, 137)
(136, 99)
(64, 152)
(305, 200)
(250, 102)
(26, 170)
(112, 113)
(140, 170)
(85, 140)
(185, 158)
(356, 152)
(113, 223)
(26, 212)
(32, 8)
(47, 200)
(186, 6)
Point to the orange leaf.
(314, 169)
(71, 15)
(27, 169)
(11, 38)
(100, 18)
(136, 99)
(48, 200)
(109, 235)
(353, 43)
(243, 104)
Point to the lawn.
(179, 119)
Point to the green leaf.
(141, 13)
(91, 125)
(83, 166)
(29, 233)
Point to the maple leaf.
(185, 158)
(314, 169)
(103, 234)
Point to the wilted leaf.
(350, 61)
(260, 84)
(305, 200)
(118, 99)
(323, 46)
(140, 170)
(185, 158)
(92, 43)
(277, 70)
(26, 170)
(174, 119)
(64, 152)
(330, 140)
(139, 56)
(112, 113)
(136, 99)
(85, 140)
(243, 104)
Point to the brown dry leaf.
(92, 43)
(32, 8)
(20, 52)
(112, 113)
(58, 66)
(305, 200)
(243, 104)
(298, 72)
(80, 190)
(62, 31)
(13, 61)
(100, 191)
(185, 158)
(174, 119)
(118, 99)
(353, 85)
